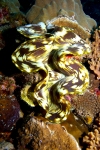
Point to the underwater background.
(50, 75)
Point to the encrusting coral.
(88, 104)
(68, 13)
(38, 134)
(95, 54)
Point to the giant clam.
(55, 53)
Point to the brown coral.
(67, 13)
(88, 104)
(95, 55)
(91, 141)
(39, 134)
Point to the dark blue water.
(92, 8)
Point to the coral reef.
(9, 106)
(95, 55)
(39, 134)
(67, 13)
(65, 23)
(88, 104)
(92, 139)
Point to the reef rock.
(38, 134)
(9, 106)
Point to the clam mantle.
(56, 53)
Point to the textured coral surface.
(92, 140)
(70, 12)
(40, 135)
(95, 56)
(88, 104)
